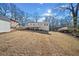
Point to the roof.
(4, 18)
(63, 28)
(37, 22)
(14, 20)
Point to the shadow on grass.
(75, 35)
(37, 31)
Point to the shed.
(4, 24)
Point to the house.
(38, 26)
(4, 24)
(64, 29)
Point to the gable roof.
(14, 20)
(4, 18)
(63, 28)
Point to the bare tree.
(36, 16)
(73, 8)
(13, 10)
(4, 8)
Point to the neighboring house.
(4, 24)
(63, 29)
(38, 26)
(14, 23)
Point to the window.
(45, 24)
(33, 24)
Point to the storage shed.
(4, 24)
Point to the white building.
(4, 24)
(38, 25)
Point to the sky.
(35, 7)
(39, 8)
(42, 9)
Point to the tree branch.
(76, 11)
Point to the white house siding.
(4, 26)
(39, 25)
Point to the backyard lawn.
(24, 43)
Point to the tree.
(16, 13)
(4, 8)
(73, 8)
(13, 10)
(36, 16)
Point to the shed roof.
(14, 20)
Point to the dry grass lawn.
(31, 43)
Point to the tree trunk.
(74, 24)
